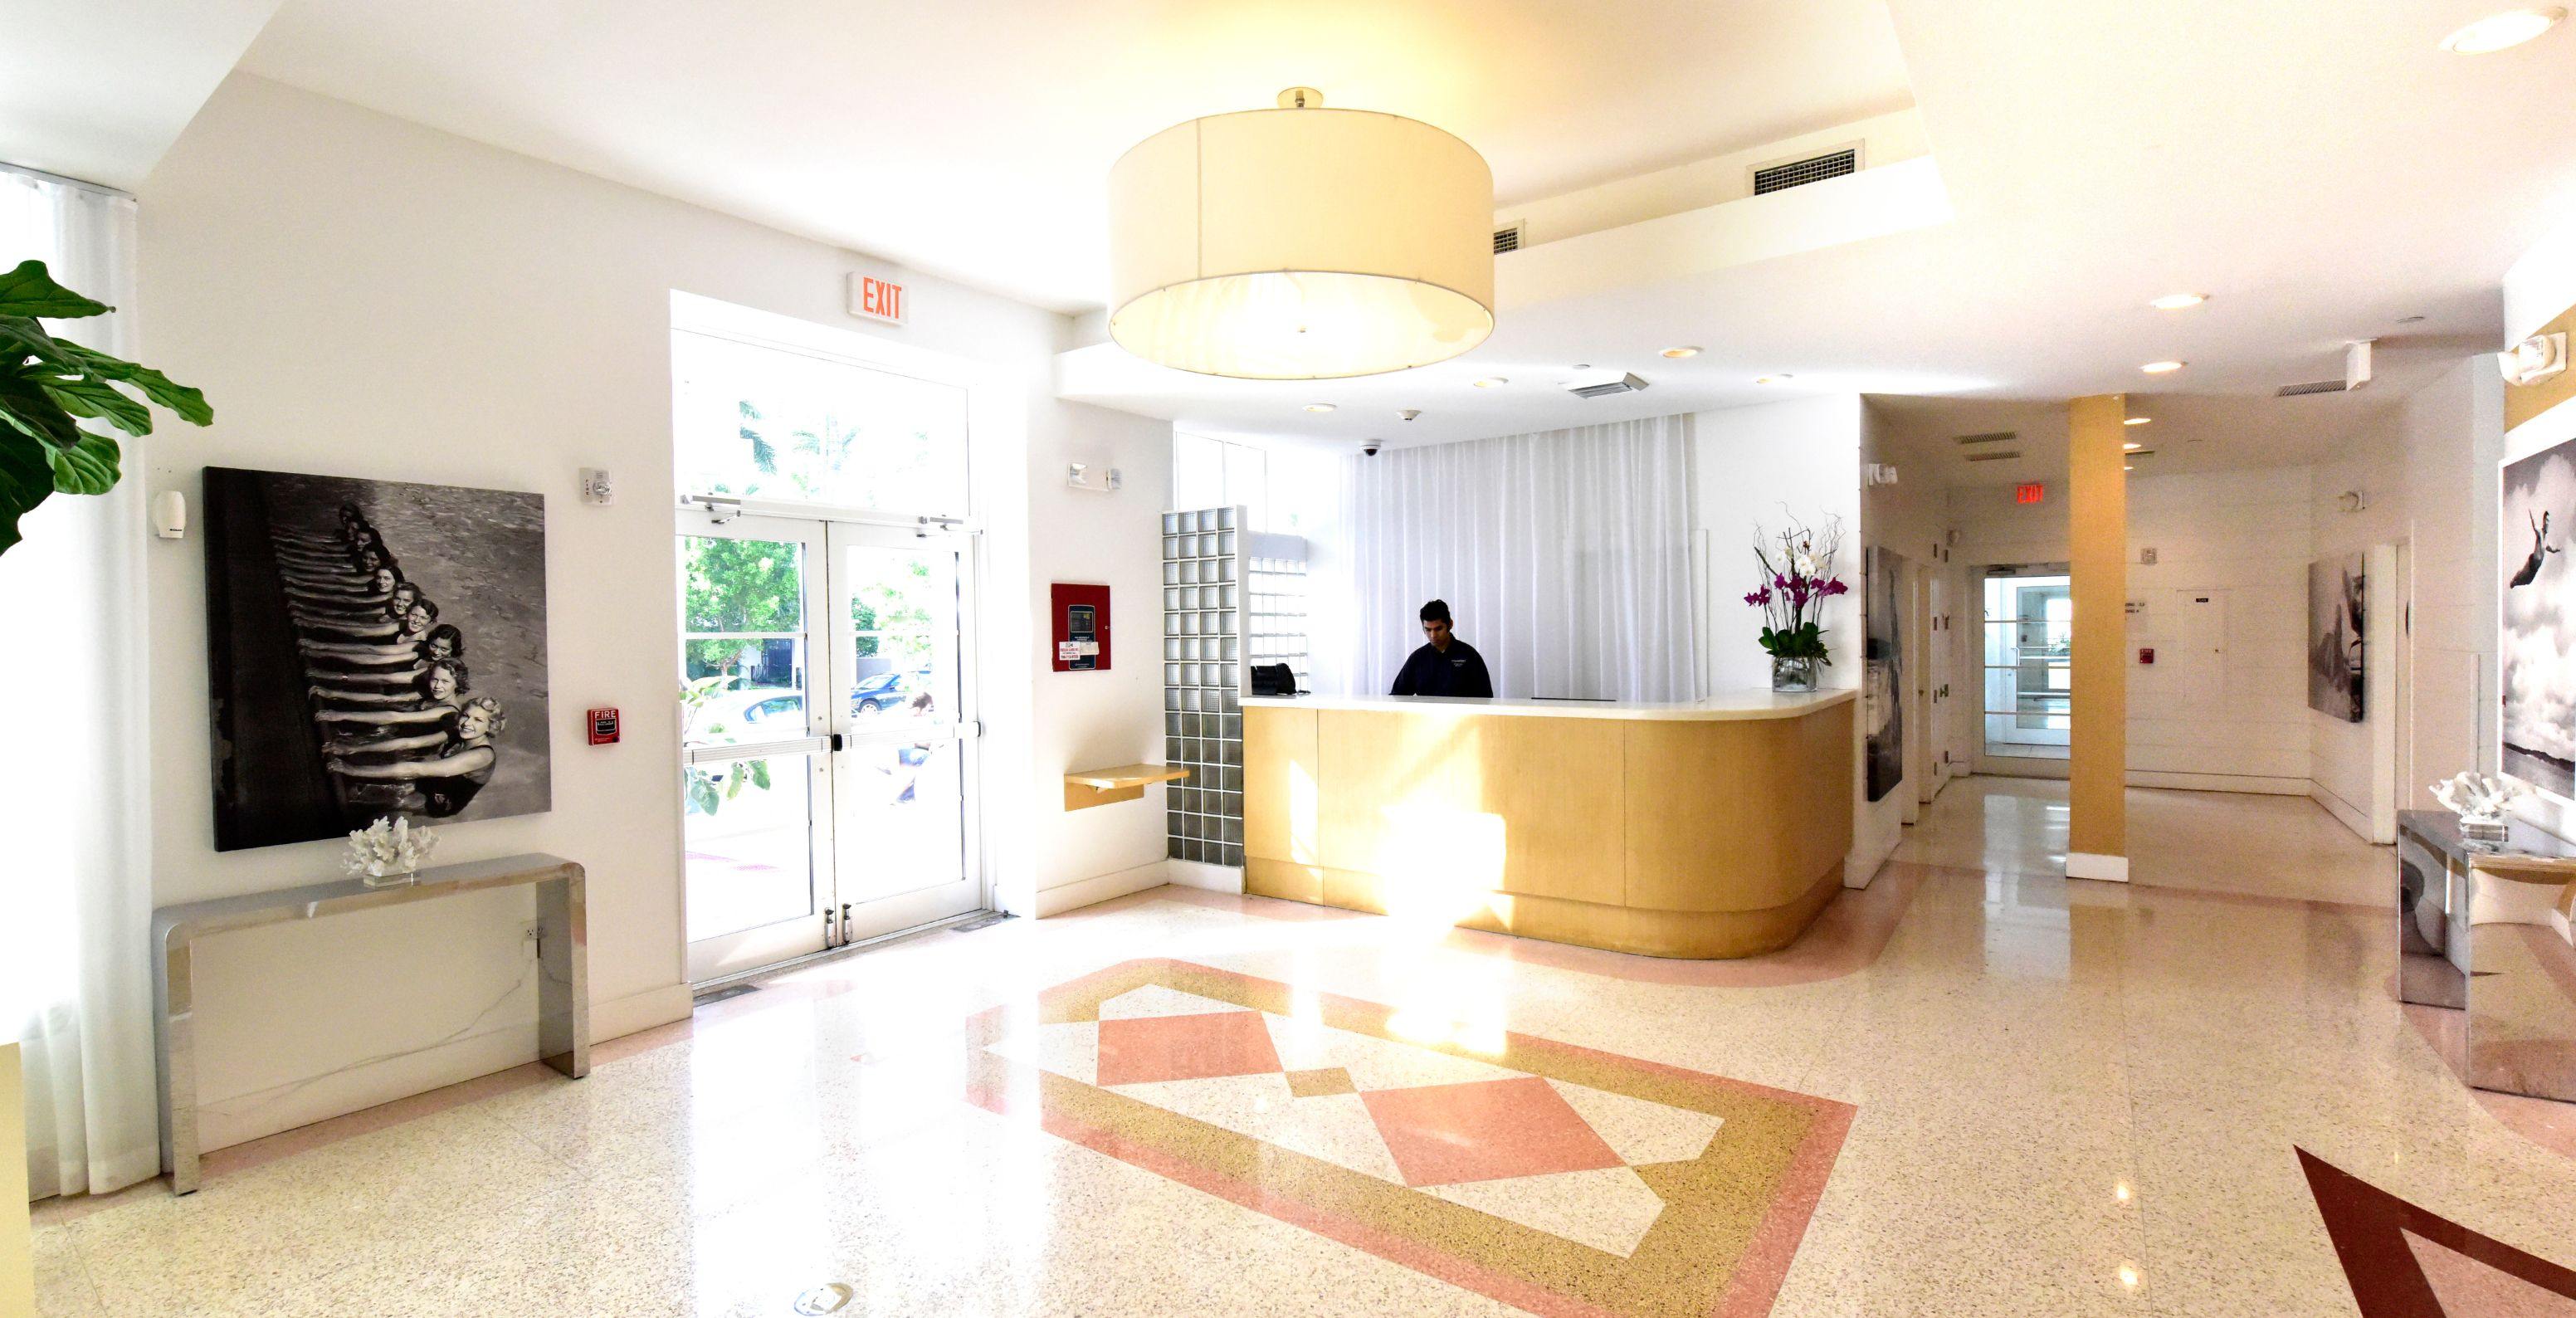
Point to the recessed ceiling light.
(2133, 446)
(1321, 407)
(2161, 368)
(1773, 379)
(1681, 352)
(2177, 301)
(2127, 467)
(2137, 420)
(2503, 31)
(1491, 381)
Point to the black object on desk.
(1274, 680)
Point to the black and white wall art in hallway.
(2336, 589)
(1883, 674)
(2538, 647)
(375, 648)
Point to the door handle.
(828, 941)
(845, 924)
(836, 741)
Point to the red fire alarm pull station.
(2030, 492)
(2146, 654)
(1081, 616)
(603, 726)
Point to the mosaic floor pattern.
(1560, 1179)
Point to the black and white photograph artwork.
(1883, 705)
(376, 648)
(2538, 645)
(2335, 608)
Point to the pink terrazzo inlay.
(1485, 1131)
(1151, 1048)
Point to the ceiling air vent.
(1784, 174)
(2312, 387)
(1992, 455)
(1601, 386)
(1507, 240)
(1991, 437)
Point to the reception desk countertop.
(1725, 705)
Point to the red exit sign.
(2030, 493)
(876, 299)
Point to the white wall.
(1758, 466)
(2229, 714)
(362, 296)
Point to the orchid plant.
(1797, 578)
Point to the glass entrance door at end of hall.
(827, 735)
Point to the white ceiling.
(97, 89)
(972, 138)
(2319, 168)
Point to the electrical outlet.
(533, 933)
(2147, 557)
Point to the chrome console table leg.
(563, 955)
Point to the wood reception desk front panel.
(1715, 828)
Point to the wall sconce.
(2540, 357)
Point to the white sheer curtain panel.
(76, 883)
(1565, 557)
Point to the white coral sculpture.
(388, 847)
(2478, 799)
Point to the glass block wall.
(1275, 576)
(1203, 648)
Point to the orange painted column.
(2097, 510)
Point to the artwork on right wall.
(2336, 590)
(2538, 648)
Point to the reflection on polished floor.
(2038, 1098)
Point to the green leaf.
(702, 794)
(89, 467)
(90, 397)
(27, 409)
(733, 784)
(26, 480)
(188, 402)
(760, 774)
(30, 290)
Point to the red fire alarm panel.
(1081, 626)
(603, 726)
(2146, 654)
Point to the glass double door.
(827, 735)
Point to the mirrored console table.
(563, 957)
(2482, 927)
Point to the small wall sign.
(2029, 492)
(876, 299)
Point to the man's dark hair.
(1436, 611)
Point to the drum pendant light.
(1301, 243)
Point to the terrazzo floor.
(2053, 1098)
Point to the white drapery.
(1564, 556)
(76, 890)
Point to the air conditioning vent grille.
(1507, 240)
(2312, 387)
(1992, 455)
(1991, 437)
(1624, 384)
(1792, 173)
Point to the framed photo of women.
(374, 648)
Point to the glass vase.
(1793, 674)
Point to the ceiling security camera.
(1369, 447)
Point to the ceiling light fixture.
(2133, 446)
(2161, 368)
(2127, 467)
(1492, 382)
(2503, 31)
(1301, 243)
(2136, 420)
(2178, 301)
(1773, 379)
(1321, 407)
(1678, 353)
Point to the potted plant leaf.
(49, 386)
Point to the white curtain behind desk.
(1564, 556)
(76, 882)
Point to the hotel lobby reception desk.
(1715, 828)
